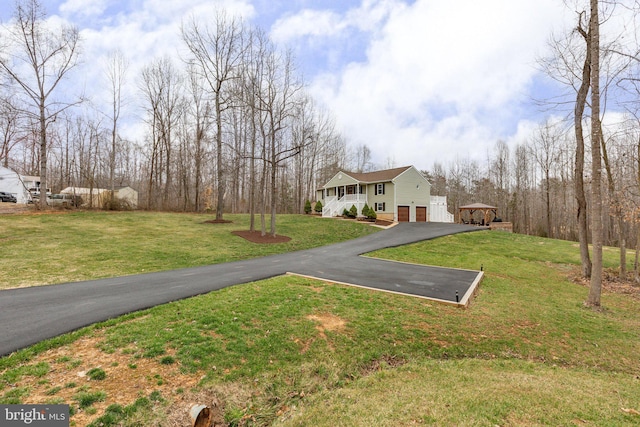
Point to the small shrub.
(345, 213)
(318, 207)
(369, 212)
(353, 212)
(115, 204)
(307, 207)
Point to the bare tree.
(595, 289)
(37, 58)
(545, 145)
(581, 101)
(520, 206)
(362, 158)
(116, 74)
(198, 109)
(9, 129)
(278, 100)
(161, 85)
(218, 53)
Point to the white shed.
(96, 197)
(439, 212)
(11, 182)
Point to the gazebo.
(486, 213)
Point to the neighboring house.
(95, 197)
(16, 184)
(400, 194)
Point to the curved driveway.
(30, 315)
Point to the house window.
(380, 188)
(379, 207)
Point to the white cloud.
(318, 23)
(440, 79)
(147, 30)
(83, 7)
(307, 23)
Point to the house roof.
(378, 176)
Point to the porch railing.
(335, 206)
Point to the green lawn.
(290, 351)
(64, 247)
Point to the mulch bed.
(218, 221)
(257, 237)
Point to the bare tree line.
(228, 124)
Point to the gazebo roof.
(477, 206)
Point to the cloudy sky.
(416, 81)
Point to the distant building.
(13, 183)
(96, 197)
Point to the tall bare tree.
(161, 85)
(545, 146)
(595, 289)
(578, 117)
(37, 57)
(278, 101)
(116, 72)
(217, 52)
(198, 109)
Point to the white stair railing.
(335, 206)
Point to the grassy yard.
(65, 247)
(296, 352)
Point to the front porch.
(335, 205)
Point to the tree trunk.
(273, 192)
(220, 171)
(595, 289)
(581, 199)
(43, 157)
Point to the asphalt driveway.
(30, 315)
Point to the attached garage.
(403, 213)
(421, 214)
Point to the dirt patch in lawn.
(257, 237)
(325, 322)
(127, 378)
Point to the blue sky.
(417, 81)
